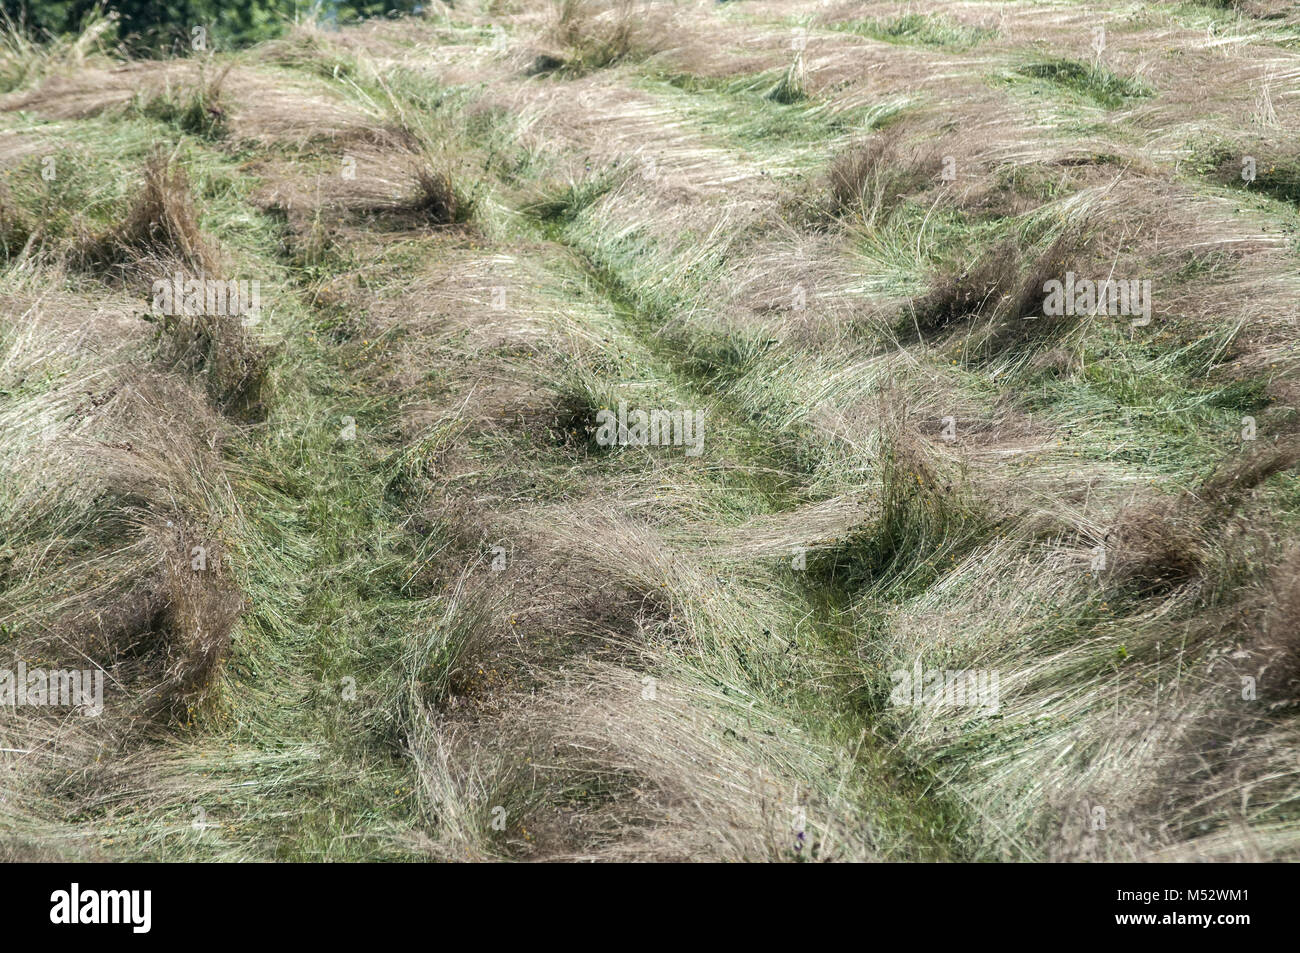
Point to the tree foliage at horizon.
(163, 26)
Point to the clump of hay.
(220, 349)
(1155, 547)
(1001, 293)
(870, 178)
(202, 112)
(161, 224)
(585, 35)
(436, 199)
(203, 607)
(1232, 480)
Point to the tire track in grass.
(782, 491)
(821, 603)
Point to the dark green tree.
(167, 26)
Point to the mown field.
(366, 579)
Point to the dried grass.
(161, 224)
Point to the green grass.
(767, 113)
(1263, 167)
(1088, 82)
(1136, 400)
(195, 113)
(921, 29)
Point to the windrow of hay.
(161, 224)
